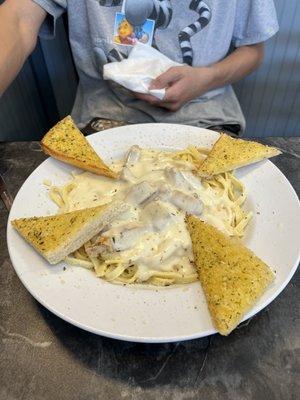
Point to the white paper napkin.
(135, 73)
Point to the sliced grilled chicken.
(176, 178)
(98, 247)
(127, 175)
(184, 180)
(132, 157)
(126, 239)
(116, 239)
(140, 192)
(158, 214)
(188, 203)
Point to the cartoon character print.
(129, 35)
(125, 33)
(138, 11)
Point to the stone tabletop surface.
(44, 357)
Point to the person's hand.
(182, 84)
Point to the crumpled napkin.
(135, 73)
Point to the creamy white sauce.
(156, 237)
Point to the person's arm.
(187, 83)
(20, 21)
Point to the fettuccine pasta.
(151, 243)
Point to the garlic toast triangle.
(66, 143)
(228, 154)
(233, 277)
(56, 236)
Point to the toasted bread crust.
(66, 143)
(228, 154)
(46, 234)
(85, 166)
(232, 276)
(57, 236)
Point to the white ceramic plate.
(143, 314)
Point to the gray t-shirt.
(195, 32)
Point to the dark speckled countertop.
(43, 357)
